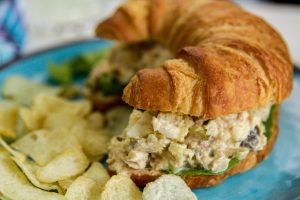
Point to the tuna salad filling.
(167, 141)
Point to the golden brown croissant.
(228, 61)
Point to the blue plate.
(276, 178)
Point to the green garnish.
(60, 73)
(109, 85)
(79, 66)
(192, 172)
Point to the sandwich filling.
(112, 74)
(167, 141)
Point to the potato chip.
(97, 173)
(84, 188)
(69, 163)
(96, 120)
(168, 187)
(14, 185)
(43, 145)
(117, 119)
(21, 130)
(90, 185)
(21, 90)
(121, 187)
(8, 119)
(94, 142)
(29, 168)
(49, 104)
(3, 197)
(65, 184)
(65, 120)
(44, 106)
(31, 119)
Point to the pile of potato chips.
(51, 148)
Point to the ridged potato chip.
(28, 167)
(84, 188)
(14, 185)
(65, 184)
(94, 142)
(8, 119)
(121, 187)
(3, 197)
(90, 185)
(31, 119)
(45, 105)
(43, 145)
(97, 173)
(96, 120)
(69, 163)
(65, 120)
(169, 187)
(22, 90)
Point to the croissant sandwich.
(212, 110)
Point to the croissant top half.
(228, 60)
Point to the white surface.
(52, 22)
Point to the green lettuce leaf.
(193, 172)
(81, 65)
(269, 123)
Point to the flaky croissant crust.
(228, 60)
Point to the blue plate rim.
(21, 58)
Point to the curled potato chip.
(65, 184)
(96, 120)
(32, 120)
(121, 187)
(43, 145)
(65, 120)
(168, 187)
(22, 90)
(3, 197)
(8, 119)
(14, 184)
(69, 163)
(97, 173)
(90, 185)
(28, 167)
(45, 104)
(84, 188)
(94, 142)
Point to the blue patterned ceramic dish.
(277, 178)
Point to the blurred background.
(28, 26)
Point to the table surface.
(72, 21)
